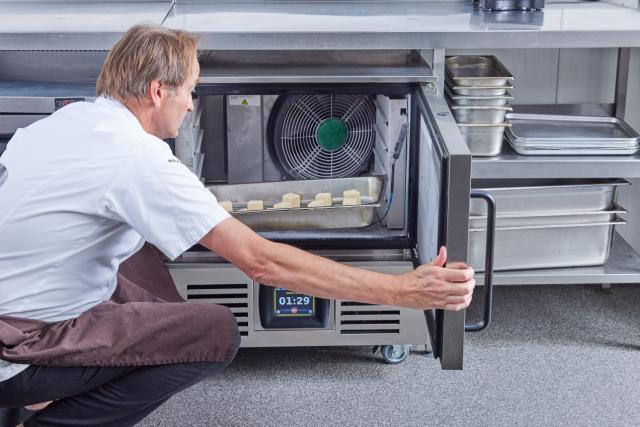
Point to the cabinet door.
(444, 182)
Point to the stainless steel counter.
(408, 24)
(70, 25)
(300, 25)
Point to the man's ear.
(155, 92)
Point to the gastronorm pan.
(534, 196)
(547, 219)
(483, 139)
(541, 134)
(544, 246)
(480, 114)
(479, 90)
(471, 70)
(371, 190)
(489, 101)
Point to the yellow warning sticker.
(244, 100)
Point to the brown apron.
(145, 322)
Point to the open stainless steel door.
(444, 182)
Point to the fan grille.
(326, 136)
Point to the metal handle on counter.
(488, 261)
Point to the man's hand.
(434, 286)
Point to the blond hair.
(143, 54)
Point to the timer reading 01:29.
(294, 300)
(287, 303)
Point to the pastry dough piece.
(317, 204)
(292, 198)
(226, 205)
(282, 205)
(351, 198)
(321, 200)
(350, 201)
(255, 205)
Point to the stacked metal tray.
(541, 134)
(547, 223)
(477, 90)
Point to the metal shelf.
(511, 165)
(311, 74)
(623, 266)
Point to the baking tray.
(483, 139)
(551, 246)
(480, 114)
(472, 70)
(541, 134)
(542, 151)
(533, 196)
(371, 190)
(490, 101)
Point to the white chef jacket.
(85, 188)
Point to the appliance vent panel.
(323, 136)
(235, 296)
(358, 318)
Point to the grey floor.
(553, 356)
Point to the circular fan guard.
(323, 136)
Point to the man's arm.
(429, 286)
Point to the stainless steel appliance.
(296, 129)
(274, 144)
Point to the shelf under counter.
(510, 165)
(623, 266)
(310, 74)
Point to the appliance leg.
(428, 351)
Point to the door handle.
(488, 261)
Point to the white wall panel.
(587, 76)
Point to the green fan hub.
(332, 134)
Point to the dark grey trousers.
(94, 396)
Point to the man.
(105, 340)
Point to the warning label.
(245, 100)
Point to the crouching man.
(89, 317)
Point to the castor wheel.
(394, 354)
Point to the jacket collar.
(121, 110)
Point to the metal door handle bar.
(488, 262)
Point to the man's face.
(176, 105)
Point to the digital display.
(287, 303)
